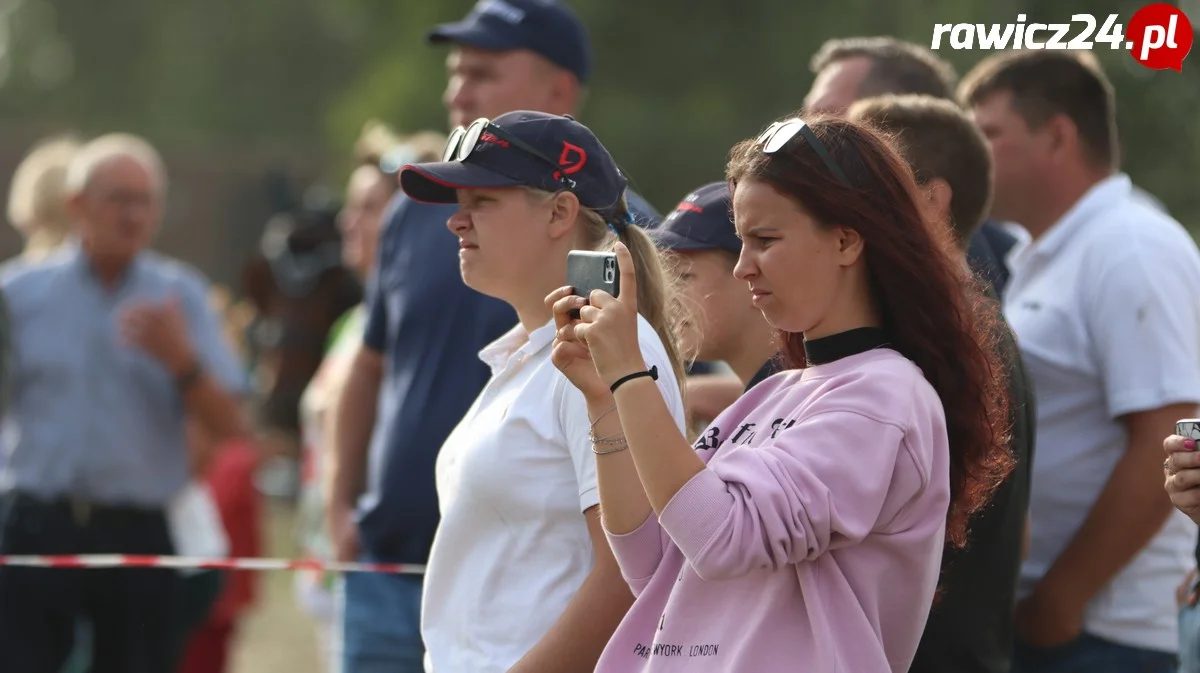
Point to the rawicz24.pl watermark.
(1158, 36)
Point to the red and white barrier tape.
(191, 563)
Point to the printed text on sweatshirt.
(813, 538)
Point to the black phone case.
(588, 270)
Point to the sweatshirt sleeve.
(819, 485)
(638, 553)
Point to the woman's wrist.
(599, 403)
(622, 371)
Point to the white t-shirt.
(513, 480)
(1106, 308)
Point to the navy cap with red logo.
(701, 221)
(523, 149)
(545, 27)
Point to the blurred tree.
(185, 72)
(676, 82)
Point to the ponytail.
(657, 299)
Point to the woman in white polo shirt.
(520, 577)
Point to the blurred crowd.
(894, 388)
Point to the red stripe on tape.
(182, 562)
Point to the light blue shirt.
(92, 417)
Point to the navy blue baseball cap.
(524, 149)
(545, 27)
(701, 221)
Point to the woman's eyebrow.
(760, 230)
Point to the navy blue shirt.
(430, 327)
(986, 252)
(770, 368)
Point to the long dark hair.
(934, 311)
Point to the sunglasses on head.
(779, 134)
(463, 140)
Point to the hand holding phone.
(589, 270)
(1182, 467)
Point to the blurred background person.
(1103, 302)
(93, 469)
(379, 153)
(38, 209)
(37, 200)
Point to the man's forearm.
(218, 411)
(1129, 513)
(577, 639)
(199, 446)
(355, 419)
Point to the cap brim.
(666, 239)
(438, 182)
(472, 34)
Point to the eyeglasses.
(463, 140)
(779, 134)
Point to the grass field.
(277, 637)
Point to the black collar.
(843, 344)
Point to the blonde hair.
(659, 300)
(377, 140)
(37, 199)
(106, 148)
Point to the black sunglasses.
(463, 140)
(779, 134)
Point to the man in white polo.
(1105, 301)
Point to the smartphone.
(1188, 427)
(588, 270)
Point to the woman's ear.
(564, 208)
(850, 245)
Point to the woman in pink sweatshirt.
(804, 529)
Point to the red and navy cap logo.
(572, 159)
(689, 204)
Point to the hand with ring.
(1181, 470)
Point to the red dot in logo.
(1159, 36)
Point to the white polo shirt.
(1106, 307)
(513, 480)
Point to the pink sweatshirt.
(811, 542)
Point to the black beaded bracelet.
(652, 373)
